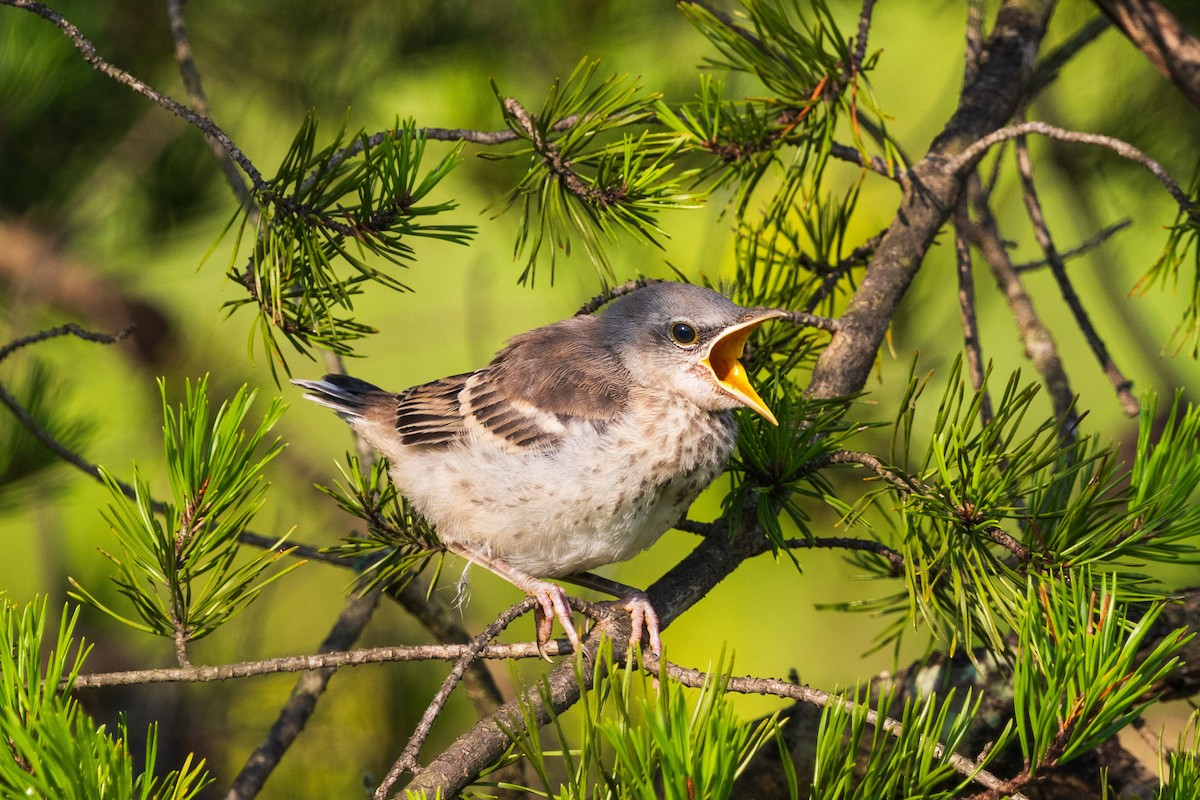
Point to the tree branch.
(1118, 146)
(407, 762)
(1089, 244)
(1167, 44)
(195, 90)
(985, 105)
(1039, 343)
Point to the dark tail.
(349, 397)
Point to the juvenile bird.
(579, 444)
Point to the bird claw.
(642, 617)
(552, 604)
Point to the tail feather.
(348, 397)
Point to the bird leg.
(641, 613)
(552, 600)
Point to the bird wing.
(540, 383)
(431, 414)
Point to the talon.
(642, 618)
(552, 604)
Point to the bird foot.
(552, 604)
(642, 618)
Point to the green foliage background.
(131, 196)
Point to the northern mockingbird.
(579, 445)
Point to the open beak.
(723, 357)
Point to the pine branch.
(1170, 47)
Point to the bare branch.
(1041, 231)
(349, 658)
(849, 543)
(844, 152)
(860, 39)
(195, 90)
(1086, 246)
(88, 50)
(35, 428)
(1048, 68)
(607, 296)
(806, 320)
(966, 306)
(1040, 347)
(407, 762)
(1118, 146)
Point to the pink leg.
(552, 600)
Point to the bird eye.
(683, 333)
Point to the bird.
(577, 446)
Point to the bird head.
(687, 340)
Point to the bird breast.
(601, 494)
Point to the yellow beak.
(723, 357)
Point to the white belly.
(601, 497)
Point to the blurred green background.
(108, 205)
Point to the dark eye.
(683, 333)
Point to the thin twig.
(608, 295)
(806, 694)
(819, 542)
(303, 701)
(88, 50)
(1041, 231)
(904, 483)
(1039, 343)
(1047, 69)
(1122, 148)
(69, 329)
(1093, 242)
(806, 320)
(348, 658)
(860, 40)
(858, 257)
(407, 762)
(36, 429)
(876, 164)
(970, 324)
(195, 90)
(850, 543)
(445, 625)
